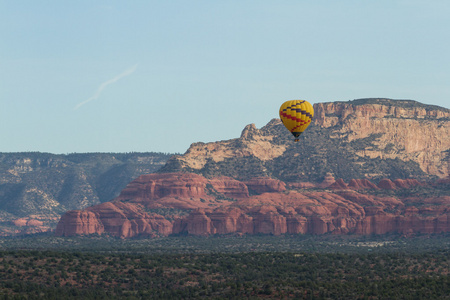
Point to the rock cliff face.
(366, 138)
(186, 203)
(251, 143)
(405, 130)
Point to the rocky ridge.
(366, 138)
(187, 203)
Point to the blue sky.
(121, 76)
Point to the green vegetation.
(74, 275)
(232, 244)
(226, 267)
(366, 143)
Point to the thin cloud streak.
(105, 84)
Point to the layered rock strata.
(405, 129)
(184, 203)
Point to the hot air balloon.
(296, 116)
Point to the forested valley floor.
(230, 267)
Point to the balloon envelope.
(296, 116)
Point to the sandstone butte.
(186, 203)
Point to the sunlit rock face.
(185, 203)
(405, 129)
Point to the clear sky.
(122, 76)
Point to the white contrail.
(105, 84)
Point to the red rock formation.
(301, 185)
(296, 224)
(229, 187)
(31, 224)
(20, 222)
(338, 184)
(155, 186)
(27, 222)
(261, 185)
(327, 181)
(198, 223)
(267, 220)
(386, 184)
(358, 184)
(163, 204)
(406, 183)
(117, 219)
(78, 222)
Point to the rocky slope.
(36, 188)
(366, 138)
(187, 203)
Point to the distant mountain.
(36, 188)
(365, 138)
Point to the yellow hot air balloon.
(296, 116)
